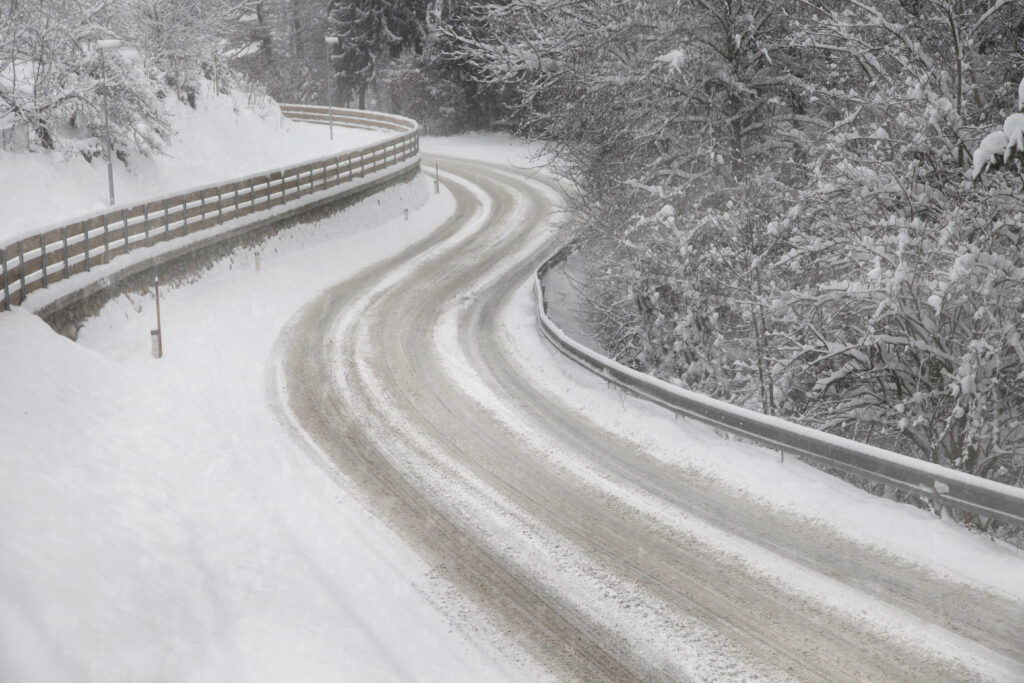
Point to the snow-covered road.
(580, 539)
(358, 460)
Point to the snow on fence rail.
(38, 261)
(945, 487)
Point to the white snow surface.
(160, 520)
(992, 146)
(222, 138)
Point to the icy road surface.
(579, 541)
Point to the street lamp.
(105, 46)
(329, 42)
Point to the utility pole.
(104, 46)
(330, 42)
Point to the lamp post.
(104, 46)
(329, 42)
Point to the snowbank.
(160, 520)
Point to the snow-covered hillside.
(159, 521)
(224, 137)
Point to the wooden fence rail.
(36, 262)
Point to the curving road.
(582, 551)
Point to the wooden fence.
(39, 261)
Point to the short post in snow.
(437, 180)
(156, 336)
(329, 43)
(406, 212)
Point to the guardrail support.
(124, 219)
(184, 214)
(21, 271)
(202, 209)
(106, 239)
(42, 259)
(3, 274)
(64, 238)
(85, 244)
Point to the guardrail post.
(252, 195)
(220, 205)
(284, 187)
(106, 238)
(311, 177)
(184, 214)
(85, 241)
(64, 238)
(21, 271)
(202, 209)
(4, 276)
(42, 258)
(124, 219)
(234, 188)
(145, 223)
(268, 191)
(167, 222)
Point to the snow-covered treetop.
(999, 146)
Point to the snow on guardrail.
(944, 486)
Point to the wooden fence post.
(145, 222)
(106, 238)
(85, 240)
(3, 274)
(21, 271)
(184, 214)
(42, 258)
(202, 209)
(64, 237)
(124, 219)
(167, 222)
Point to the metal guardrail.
(59, 252)
(942, 485)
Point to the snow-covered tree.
(50, 79)
(681, 125)
(371, 33)
(909, 321)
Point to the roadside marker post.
(156, 336)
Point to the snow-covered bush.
(910, 316)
